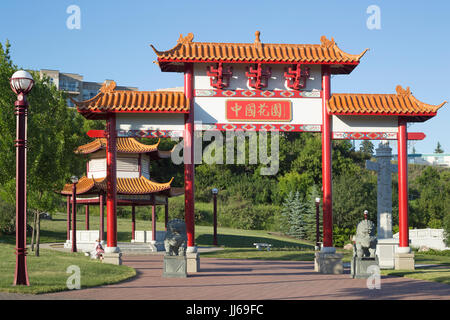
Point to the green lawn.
(48, 272)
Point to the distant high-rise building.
(73, 84)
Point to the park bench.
(259, 246)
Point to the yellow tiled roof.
(129, 186)
(124, 145)
(403, 103)
(109, 100)
(327, 52)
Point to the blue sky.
(412, 48)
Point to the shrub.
(446, 226)
(240, 213)
(7, 218)
(342, 236)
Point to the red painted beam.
(416, 135)
(96, 133)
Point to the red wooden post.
(87, 216)
(166, 213)
(111, 201)
(21, 273)
(133, 222)
(215, 218)
(153, 221)
(102, 219)
(68, 217)
(189, 156)
(326, 163)
(403, 186)
(74, 217)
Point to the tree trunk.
(38, 232)
(34, 230)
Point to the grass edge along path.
(49, 272)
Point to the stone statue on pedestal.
(364, 248)
(365, 239)
(175, 241)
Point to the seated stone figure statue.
(175, 240)
(365, 240)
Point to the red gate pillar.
(111, 201)
(189, 158)
(403, 187)
(326, 164)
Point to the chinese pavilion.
(134, 185)
(228, 86)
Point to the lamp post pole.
(21, 83)
(74, 213)
(215, 192)
(317, 223)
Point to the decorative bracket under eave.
(296, 78)
(219, 76)
(258, 77)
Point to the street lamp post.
(74, 180)
(317, 224)
(21, 84)
(214, 193)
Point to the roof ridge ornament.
(324, 42)
(108, 86)
(403, 92)
(258, 43)
(187, 39)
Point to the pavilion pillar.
(68, 217)
(189, 158)
(166, 213)
(111, 189)
(102, 219)
(133, 223)
(404, 258)
(326, 164)
(87, 216)
(153, 223)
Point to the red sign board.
(258, 110)
(96, 134)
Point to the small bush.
(7, 218)
(342, 236)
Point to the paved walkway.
(227, 279)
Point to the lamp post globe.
(21, 83)
(74, 179)
(215, 191)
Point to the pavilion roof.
(403, 103)
(124, 145)
(327, 52)
(128, 186)
(109, 100)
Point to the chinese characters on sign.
(258, 110)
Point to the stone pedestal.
(193, 262)
(386, 249)
(404, 261)
(359, 267)
(328, 263)
(175, 267)
(112, 258)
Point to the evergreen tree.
(310, 216)
(294, 211)
(438, 148)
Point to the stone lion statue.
(175, 240)
(365, 240)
